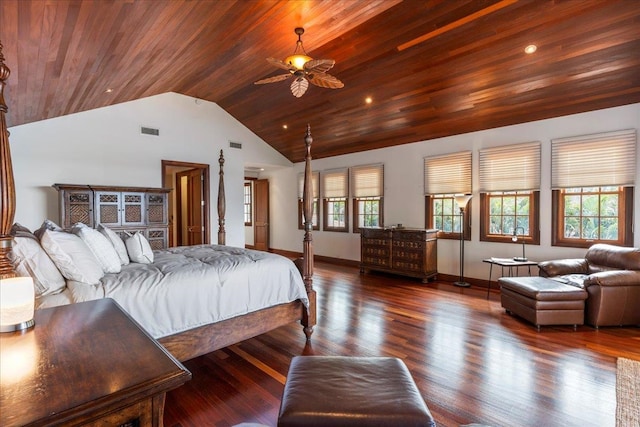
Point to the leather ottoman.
(351, 391)
(543, 301)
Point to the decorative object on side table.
(514, 239)
(17, 301)
(462, 201)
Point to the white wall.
(404, 193)
(105, 146)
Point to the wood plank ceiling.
(432, 68)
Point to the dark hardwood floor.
(472, 362)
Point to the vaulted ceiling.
(432, 68)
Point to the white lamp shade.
(17, 301)
(462, 200)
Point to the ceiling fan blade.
(319, 65)
(281, 64)
(273, 79)
(299, 86)
(325, 80)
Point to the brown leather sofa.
(610, 275)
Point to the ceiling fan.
(304, 69)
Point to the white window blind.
(367, 180)
(315, 183)
(594, 160)
(448, 174)
(510, 168)
(335, 183)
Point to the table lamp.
(17, 303)
(514, 239)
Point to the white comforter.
(190, 286)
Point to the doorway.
(188, 202)
(261, 214)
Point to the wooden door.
(261, 215)
(191, 200)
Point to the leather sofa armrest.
(614, 278)
(560, 267)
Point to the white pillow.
(46, 225)
(139, 249)
(101, 247)
(72, 256)
(29, 259)
(117, 243)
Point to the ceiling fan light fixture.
(297, 60)
(304, 70)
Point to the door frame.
(170, 164)
(258, 212)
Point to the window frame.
(429, 200)
(335, 188)
(532, 238)
(356, 211)
(573, 162)
(625, 220)
(325, 214)
(250, 204)
(367, 184)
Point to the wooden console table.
(85, 364)
(405, 251)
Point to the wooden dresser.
(405, 251)
(122, 209)
(85, 364)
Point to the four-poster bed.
(202, 339)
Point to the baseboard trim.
(356, 264)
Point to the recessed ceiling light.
(285, 127)
(368, 100)
(109, 90)
(530, 49)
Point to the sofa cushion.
(561, 267)
(542, 289)
(603, 257)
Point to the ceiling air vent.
(235, 145)
(150, 131)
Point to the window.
(335, 195)
(510, 212)
(247, 204)
(510, 193)
(315, 184)
(592, 179)
(444, 177)
(367, 187)
(591, 214)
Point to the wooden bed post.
(309, 320)
(7, 184)
(222, 234)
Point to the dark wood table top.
(77, 358)
(509, 262)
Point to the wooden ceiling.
(432, 68)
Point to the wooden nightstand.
(85, 364)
